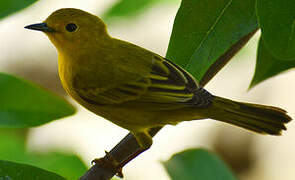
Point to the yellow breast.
(64, 73)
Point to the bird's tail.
(258, 118)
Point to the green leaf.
(225, 58)
(68, 165)
(25, 105)
(277, 21)
(11, 6)
(267, 65)
(16, 171)
(12, 148)
(128, 8)
(197, 164)
(205, 30)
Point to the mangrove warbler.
(136, 88)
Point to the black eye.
(71, 27)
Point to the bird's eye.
(71, 27)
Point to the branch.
(127, 149)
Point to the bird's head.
(69, 29)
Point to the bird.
(135, 88)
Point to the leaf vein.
(188, 64)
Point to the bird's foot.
(110, 162)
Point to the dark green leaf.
(12, 148)
(205, 30)
(68, 165)
(16, 171)
(197, 164)
(11, 6)
(277, 22)
(24, 104)
(267, 65)
(224, 59)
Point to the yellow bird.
(136, 88)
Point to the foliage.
(267, 65)
(25, 105)
(128, 8)
(11, 6)
(131, 8)
(197, 164)
(13, 148)
(11, 170)
(203, 32)
(277, 22)
(276, 49)
(214, 26)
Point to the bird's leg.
(151, 133)
(144, 139)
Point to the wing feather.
(167, 85)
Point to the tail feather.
(258, 118)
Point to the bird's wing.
(167, 86)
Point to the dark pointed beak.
(40, 27)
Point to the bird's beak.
(40, 27)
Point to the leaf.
(277, 21)
(267, 65)
(12, 148)
(205, 30)
(11, 6)
(197, 164)
(25, 105)
(127, 8)
(68, 165)
(15, 171)
(224, 58)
